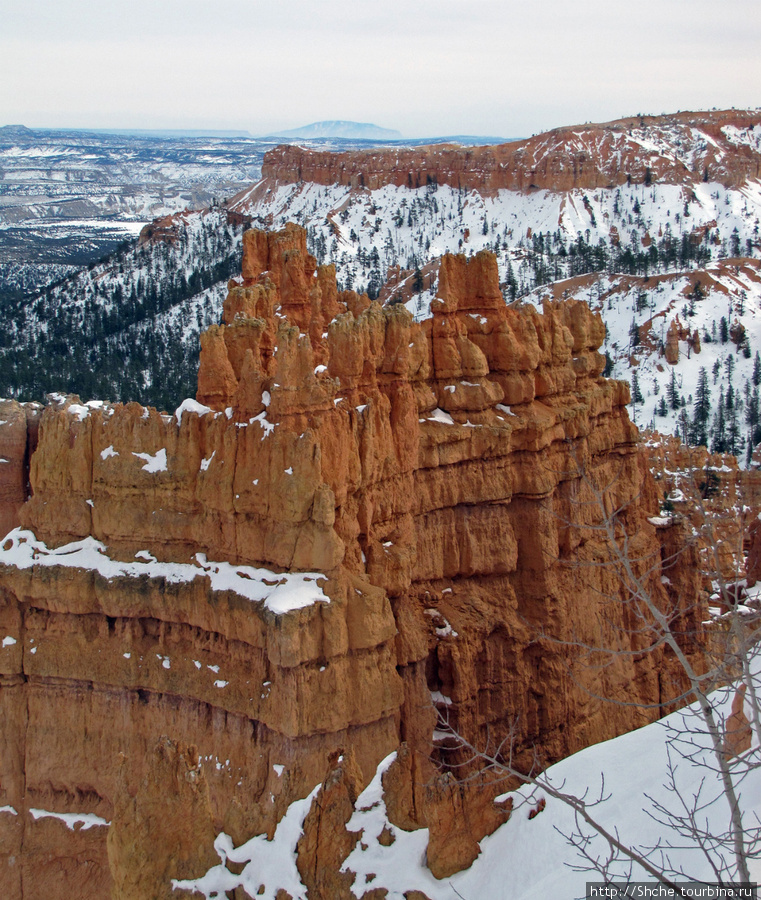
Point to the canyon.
(362, 527)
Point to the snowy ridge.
(365, 232)
(279, 593)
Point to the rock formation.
(718, 498)
(360, 522)
(582, 156)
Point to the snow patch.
(155, 462)
(70, 820)
(191, 406)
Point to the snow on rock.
(634, 768)
(438, 415)
(268, 864)
(205, 463)
(155, 462)
(71, 820)
(279, 593)
(191, 406)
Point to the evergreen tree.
(636, 395)
(672, 391)
(718, 444)
(701, 410)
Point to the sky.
(431, 67)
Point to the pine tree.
(672, 391)
(701, 410)
(718, 444)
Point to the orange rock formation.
(441, 477)
(585, 157)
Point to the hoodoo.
(360, 520)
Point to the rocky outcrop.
(360, 523)
(18, 438)
(718, 498)
(584, 156)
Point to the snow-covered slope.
(613, 240)
(527, 858)
(127, 328)
(721, 305)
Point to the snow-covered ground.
(729, 291)
(409, 226)
(528, 858)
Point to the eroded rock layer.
(585, 157)
(440, 483)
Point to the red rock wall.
(18, 439)
(585, 157)
(431, 471)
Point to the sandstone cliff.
(361, 521)
(583, 156)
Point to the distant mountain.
(15, 131)
(360, 131)
(162, 133)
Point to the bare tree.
(715, 658)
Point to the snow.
(524, 859)
(278, 769)
(71, 820)
(266, 426)
(438, 697)
(205, 463)
(8, 809)
(8, 641)
(270, 865)
(155, 462)
(279, 593)
(76, 409)
(191, 406)
(146, 555)
(659, 520)
(438, 415)
(108, 452)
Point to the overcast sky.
(426, 68)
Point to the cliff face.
(716, 146)
(360, 521)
